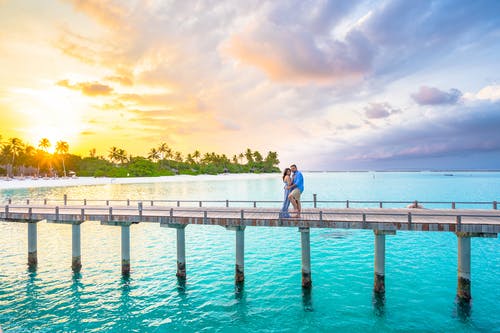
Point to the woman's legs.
(286, 204)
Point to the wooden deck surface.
(451, 220)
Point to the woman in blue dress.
(287, 180)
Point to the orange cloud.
(123, 80)
(113, 106)
(78, 47)
(106, 13)
(294, 54)
(87, 88)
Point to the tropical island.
(20, 159)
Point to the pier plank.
(485, 221)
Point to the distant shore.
(396, 170)
(28, 182)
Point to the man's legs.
(295, 200)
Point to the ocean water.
(420, 266)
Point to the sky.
(329, 85)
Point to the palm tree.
(154, 154)
(272, 158)
(190, 159)
(14, 147)
(235, 159)
(5, 157)
(40, 157)
(62, 148)
(122, 156)
(165, 151)
(28, 157)
(178, 156)
(257, 157)
(249, 156)
(44, 144)
(92, 153)
(206, 158)
(241, 156)
(196, 156)
(113, 153)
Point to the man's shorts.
(295, 194)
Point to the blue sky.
(329, 85)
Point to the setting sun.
(54, 113)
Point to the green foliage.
(17, 157)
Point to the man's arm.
(299, 180)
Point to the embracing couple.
(294, 186)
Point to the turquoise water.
(420, 267)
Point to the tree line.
(18, 158)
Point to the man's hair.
(293, 166)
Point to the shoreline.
(28, 182)
(401, 171)
(19, 183)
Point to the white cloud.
(491, 93)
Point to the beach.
(28, 182)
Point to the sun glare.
(48, 133)
(54, 114)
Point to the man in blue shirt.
(297, 188)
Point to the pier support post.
(305, 240)
(32, 245)
(76, 254)
(125, 249)
(239, 275)
(379, 264)
(181, 252)
(463, 286)
(239, 270)
(379, 277)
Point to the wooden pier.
(465, 223)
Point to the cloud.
(113, 106)
(466, 131)
(107, 13)
(327, 42)
(87, 88)
(491, 93)
(161, 99)
(161, 123)
(380, 110)
(412, 34)
(83, 48)
(287, 51)
(123, 80)
(433, 96)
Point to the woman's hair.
(284, 172)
